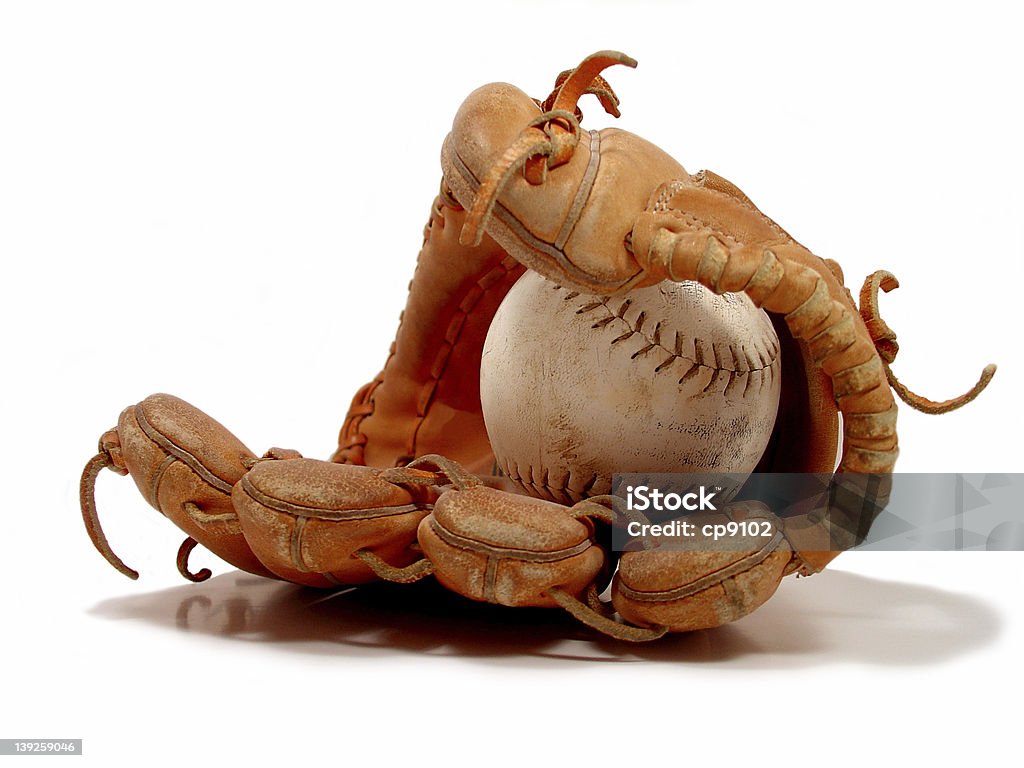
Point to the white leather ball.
(670, 378)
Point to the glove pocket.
(498, 547)
(309, 521)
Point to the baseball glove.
(412, 490)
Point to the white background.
(224, 201)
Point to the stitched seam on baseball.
(743, 366)
(557, 493)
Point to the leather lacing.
(885, 342)
(87, 497)
(549, 140)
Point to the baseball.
(670, 378)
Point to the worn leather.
(512, 550)
(178, 454)
(688, 586)
(305, 520)
(547, 227)
(427, 398)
